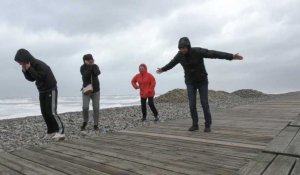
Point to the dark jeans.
(48, 104)
(202, 88)
(151, 105)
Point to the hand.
(237, 57)
(159, 71)
(137, 87)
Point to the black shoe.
(82, 128)
(143, 119)
(194, 128)
(207, 129)
(96, 128)
(156, 119)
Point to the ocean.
(23, 107)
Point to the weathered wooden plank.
(83, 162)
(25, 166)
(166, 154)
(258, 165)
(199, 140)
(140, 158)
(186, 148)
(184, 145)
(7, 171)
(294, 146)
(123, 164)
(216, 134)
(54, 163)
(281, 142)
(296, 122)
(281, 165)
(296, 170)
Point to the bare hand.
(159, 71)
(237, 57)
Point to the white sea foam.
(23, 107)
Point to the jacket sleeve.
(134, 81)
(172, 63)
(85, 72)
(38, 72)
(95, 70)
(215, 54)
(28, 76)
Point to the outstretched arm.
(216, 54)
(170, 65)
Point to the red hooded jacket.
(146, 82)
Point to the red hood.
(145, 68)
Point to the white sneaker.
(49, 136)
(58, 137)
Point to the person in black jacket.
(90, 72)
(191, 59)
(36, 70)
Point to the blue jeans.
(203, 92)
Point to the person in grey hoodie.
(90, 72)
(192, 61)
(39, 72)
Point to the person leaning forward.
(191, 59)
(38, 71)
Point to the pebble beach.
(30, 131)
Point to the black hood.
(87, 57)
(184, 42)
(23, 56)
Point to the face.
(21, 63)
(141, 68)
(88, 61)
(184, 50)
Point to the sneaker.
(194, 128)
(96, 128)
(49, 136)
(156, 119)
(207, 129)
(58, 137)
(143, 119)
(82, 128)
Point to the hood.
(184, 42)
(145, 68)
(87, 57)
(23, 56)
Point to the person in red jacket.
(146, 83)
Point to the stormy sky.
(121, 34)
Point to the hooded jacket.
(39, 71)
(193, 62)
(146, 82)
(90, 73)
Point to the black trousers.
(48, 104)
(151, 105)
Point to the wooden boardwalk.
(255, 139)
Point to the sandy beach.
(29, 131)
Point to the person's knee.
(84, 108)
